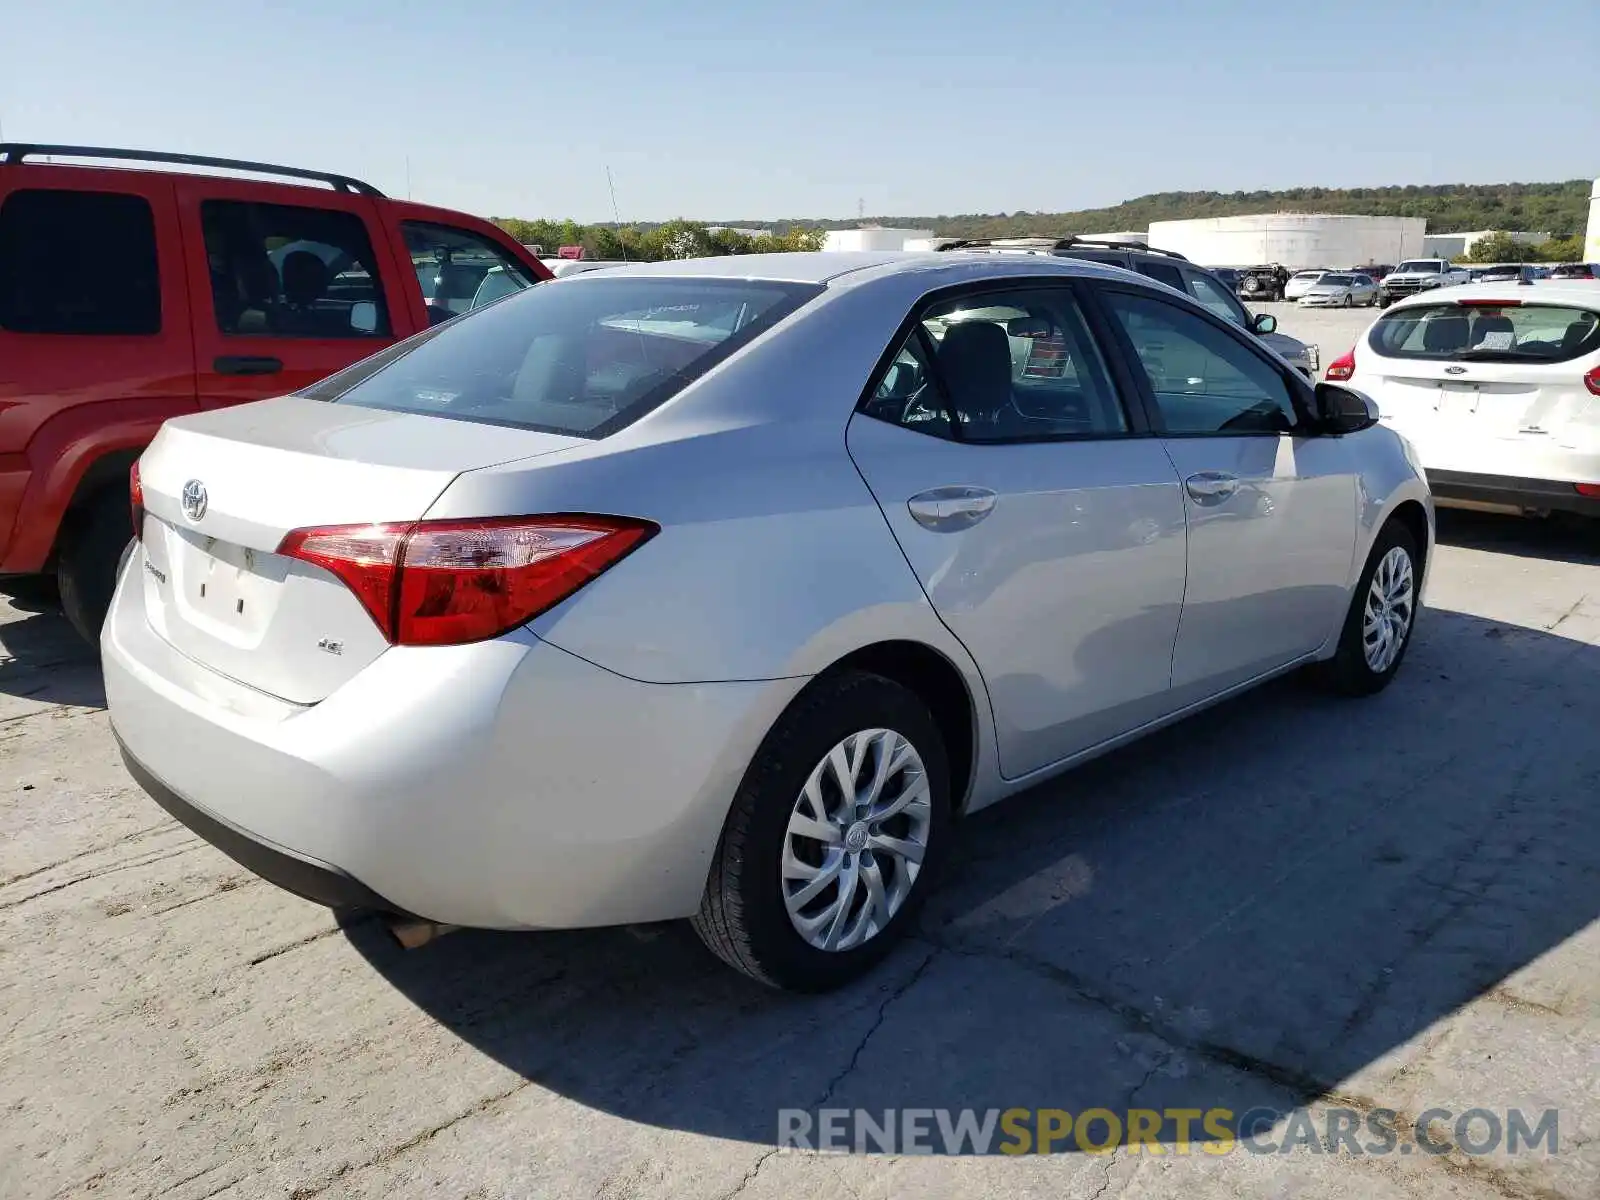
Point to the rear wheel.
(832, 838)
(1382, 617)
(86, 566)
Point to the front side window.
(459, 271)
(584, 359)
(1205, 379)
(78, 263)
(1512, 333)
(1007, 366)
(280, 270)
(1217, 298)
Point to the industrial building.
(1296, 240)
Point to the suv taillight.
(444, 583)
(136, 501)
(1342, 367)
(1592, 381)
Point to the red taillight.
(438, 583)
(136, 501)
(1342, 367)
(1592, 381)
(1588, 489)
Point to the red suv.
(130, 296)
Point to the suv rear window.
(583, 358)
(78, 262)
(1514, 333)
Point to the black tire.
(86, 566)
(742, 917)
(1348, 671)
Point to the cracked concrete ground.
(1290, 902)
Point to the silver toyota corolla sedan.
(720, 589)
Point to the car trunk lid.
(223, 488)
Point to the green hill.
(1561, 208)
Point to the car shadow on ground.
(1554, 539)
(1241, 911)
(42, 659)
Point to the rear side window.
(1514, 333)
(585, 357)
(78, 262)
(280, 270)
(1010, 366)
(1161, 273)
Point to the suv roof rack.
(1056, 243)
(15, 152)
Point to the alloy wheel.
(856, 839)
(1391, 604)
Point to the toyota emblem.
(194, 500)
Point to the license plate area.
(228, 590)
(1458, 399)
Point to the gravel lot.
(1289, 901)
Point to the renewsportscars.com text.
(1215, 1131)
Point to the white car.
(1497, 387)
(1341, 289)
(1301, 283)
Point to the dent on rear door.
(1067, 594)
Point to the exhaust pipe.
(413, 934)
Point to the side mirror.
(1342, 410)
(1263, 323)
(364, 317)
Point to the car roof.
(1577, 294)
(830, 268)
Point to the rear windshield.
(579, 358)
(1521, 333)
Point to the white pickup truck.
(1419, 275)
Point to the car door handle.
(1211, 487)
(247, 364)
(951, 509)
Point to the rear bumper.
(506, 784)
(1512, 492)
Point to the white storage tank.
(1296, 240)
(873, 239)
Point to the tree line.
(654, 243)
(1500, 247)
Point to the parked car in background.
(1340, 289)
(1373, 271)
(1166, 267)
(1504, 273)
(435, 619)
(1229, 276)
(1419, 275)
(1300, 283)
(1575, 271)
(1497, 387)
(1263, 282)
(131, 296)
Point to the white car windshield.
(1422, 264)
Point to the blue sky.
(724, 111)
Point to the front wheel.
(1382, 617)
(833, 836)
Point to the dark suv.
(1164, 266)
(131, 296)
